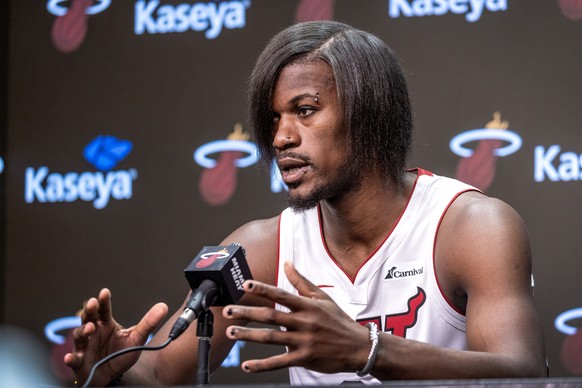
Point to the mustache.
(293, 155)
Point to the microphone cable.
(121, 352)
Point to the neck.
(356, 225)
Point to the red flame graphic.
(571, 353)
(206, 261)
(310, 10)
(478, 169)
(70, 29)
(217, 184)
(572, 9)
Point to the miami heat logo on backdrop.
(572, 9)
(477, 167)
(219, 179)
(571, 351)
(310, 10)
(70, 27)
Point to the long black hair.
(371, 88)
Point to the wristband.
(374, 338)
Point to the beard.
(348, 178)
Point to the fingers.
(264, 315)
(98, 309)
(278, 295)
(81, 337)
(301, 284)
(273, 337)
(94, 311)
(279, 361)
(308, 294)
(150, 321)
(105, 312)
(265, 336)
(72, 361)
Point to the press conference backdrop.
(127, 143)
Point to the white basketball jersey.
(396, 287)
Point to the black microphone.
(216, 276)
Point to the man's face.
(310, 146)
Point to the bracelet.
(374, 338)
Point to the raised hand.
(100, 335)
(318, 335)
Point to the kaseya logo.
(98, 187)
(555, 165)
(472, 9)
(152, 17)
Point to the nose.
(286, 135)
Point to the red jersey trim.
(449, 302)
(421, 171)
(276, 284)
(353, 280)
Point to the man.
(439, 269)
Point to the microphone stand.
(204, 331)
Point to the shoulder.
(476, 215)
(481, 239)
(259, 238)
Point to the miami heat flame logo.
(310, 10)
(70, 27)
(572, 9)
(210, 257)
(477, 167)
(219, 179)
(571, 351)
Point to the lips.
(292, 169)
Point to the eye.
(276, 119)
(305, 111)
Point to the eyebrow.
(302, 96)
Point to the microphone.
(216, 276)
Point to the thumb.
(150, 321)
(301, 284)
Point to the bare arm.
(483, 262)
(100, 335)
(176, 364)
(484, 268)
